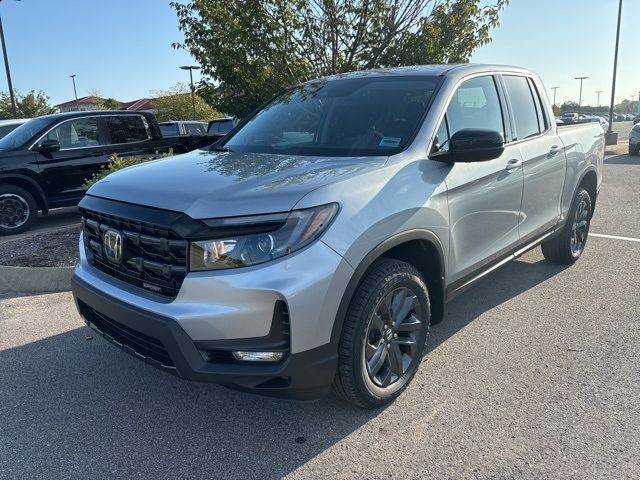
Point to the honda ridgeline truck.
(316, 243)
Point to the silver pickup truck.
(318, 241)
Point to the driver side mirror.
(476, 145)
(48, 146)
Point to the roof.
(13, 121)
(449, 69)
(140, 104)
(87, 113)
(88, 100)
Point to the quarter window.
(79, 133)
(522, 107)
(475, 105)
(127, 129)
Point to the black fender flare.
(372, 256)
(41, 197)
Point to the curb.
(35, 279)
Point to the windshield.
(169, 129)
(367, 116)
(25, 132)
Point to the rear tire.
(568, 246)
(18, 210)
(384, 334)
(634, 151)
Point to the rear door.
(544, 163)
(128, 135)
(484, 197)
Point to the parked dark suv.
(45, 162)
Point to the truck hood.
(206, 184)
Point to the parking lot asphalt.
(533, 374)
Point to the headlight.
(295, 231)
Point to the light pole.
(6, 66)
(633, 99)
(612, 138)
(580, 98)
(193, 92)
(75, 92)
(599, 92)
(555, 89)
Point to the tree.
(111, 104)
(175, 104)
(33, 104)
(253, 49)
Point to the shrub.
(118, 163)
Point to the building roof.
(137, 105)
(88, 100)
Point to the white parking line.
(615, 237)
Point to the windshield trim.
(438, 80)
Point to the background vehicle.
(219, 127)
(636, 119)
(45, 161)
(7, 126)
(569, 117)
(634, 140)
(317, 243)
(185, 136)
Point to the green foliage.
(175, 104)
(253, 49)
(118, 163)
(111, 104)
(31, 105)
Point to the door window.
(475, 105)
(127, 129)
(79, 133)
(522, 107)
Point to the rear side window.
(169, 129)
(475, 105)
(543, 123)
(522, 106)
(226, 126)
(127, 129)
(196, 129)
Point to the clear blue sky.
(122, 48)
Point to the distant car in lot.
(7, 126)
(569, 117)
(45, 162)
(634, 140)
(221, 126)
(187, 135)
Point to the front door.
(484, 197)
(80, 155)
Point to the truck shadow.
(72, 405)
(622, 159)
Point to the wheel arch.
(30, 185)
(420, 248)
(589, 181)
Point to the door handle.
(555, 149)
(513, 165)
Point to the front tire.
(634, 150)
(568, 246)
(18, 210)
(384, 334)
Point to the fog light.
(258, 356)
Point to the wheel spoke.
(411, 324)
(396, 360)
(377, 361)
(385, 381)
(407, 305)
(377, 323)
(408, 343)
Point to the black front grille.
(154, 258)
(140, 343)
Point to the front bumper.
(163, 343)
